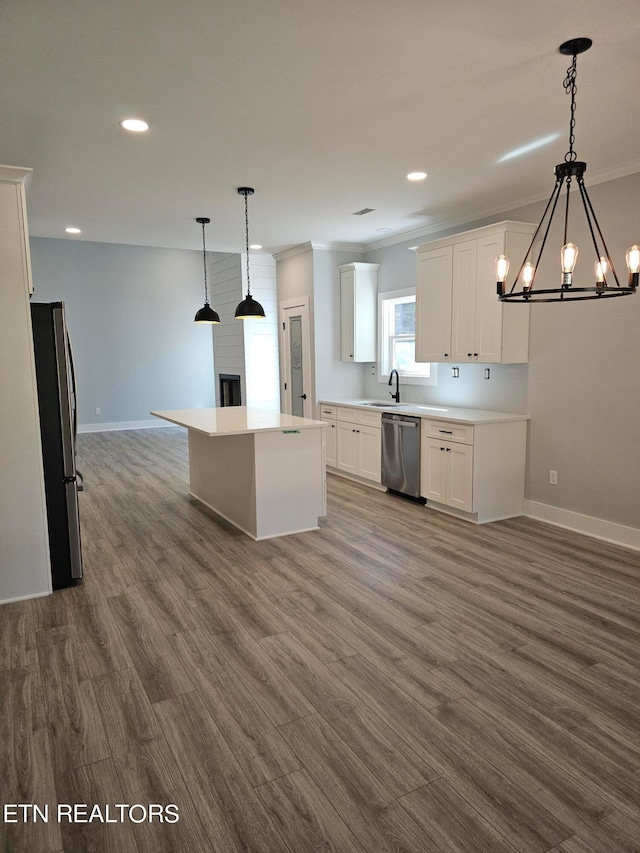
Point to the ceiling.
(322, 107)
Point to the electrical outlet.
(373, 370)
(97, 411)
(487, 373)
(553, 478)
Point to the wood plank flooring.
(397, 681)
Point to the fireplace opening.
(230, 394)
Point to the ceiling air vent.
(363, 211)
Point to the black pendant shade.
(572, 170)
(248, 308)
(206, 314)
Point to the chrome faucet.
(395, 396)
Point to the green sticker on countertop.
(291, 432)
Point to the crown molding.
(310, 246)
(293, 250)
(339, 247)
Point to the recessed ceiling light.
(137, 125)
(72, 230)
(383, 230)
(416, 176)
(255, 246)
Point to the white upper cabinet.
(358, 309)
(433, 304)
(459, 317)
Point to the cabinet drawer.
(369, 418)
(327, 412)
(448, 430)
(345, 414)
(358, 416)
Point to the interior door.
(297, 391)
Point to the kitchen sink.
(383, 405)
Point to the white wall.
(130, 313)
(24, 544)
(247, 348)
(228, 337)
(262, 375)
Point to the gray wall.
(582, 384)
(130, 313)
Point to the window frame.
(385, 342)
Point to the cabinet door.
(433, 305)
(347, 315)
(463, 311)
(488, 308)
(433, 484)
(370, 453)
(347, 447)
(459, 458)
(330, 443)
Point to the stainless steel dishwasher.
(401, 454)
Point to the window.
(397, 324)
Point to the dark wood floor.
(396, 681)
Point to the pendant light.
(565, 172)
(206, 314)
(248, 308)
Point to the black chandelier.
(206, 314)
(565, 172)
(248, 308)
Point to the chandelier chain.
(246, 228)
(204, 261)
(570, 88)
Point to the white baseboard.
(118, 425)
(25, 597)
(608, 531)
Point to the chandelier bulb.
(633, 259)
(600, 268)
(502, 267)
(528, 272)
(568, 258)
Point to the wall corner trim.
(598, 528)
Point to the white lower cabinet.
(476, 472)
(328, 415)
(359, 444)
(448, 474)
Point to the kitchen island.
(262, 471)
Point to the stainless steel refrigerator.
(55, 378)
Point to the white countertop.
(435, 412)
(236, 420)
